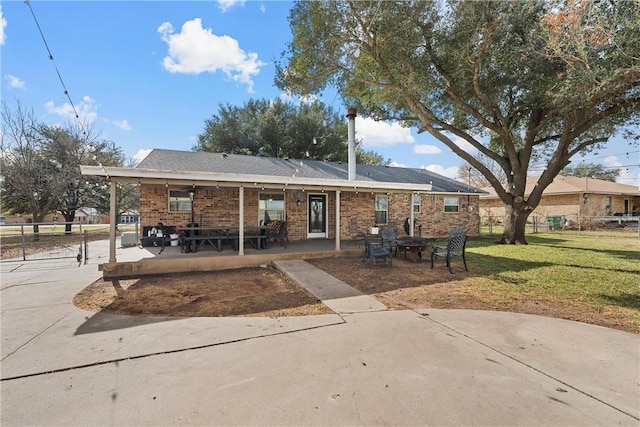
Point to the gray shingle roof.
(177, 161)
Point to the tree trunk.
(515, 225)
(68, 218)
(36, 232)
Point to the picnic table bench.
(195, 237)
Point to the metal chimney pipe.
(351, 132)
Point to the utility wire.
(46, 45)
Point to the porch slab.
(171, 260)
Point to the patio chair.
(389, 240)
(456, 243)
(355, 234)
(374, 252)
(278, 233)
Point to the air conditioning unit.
(129, 238)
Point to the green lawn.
(598, 271)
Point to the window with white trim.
(381, 207)
(179, 201)
(271, 207)
(452, 204)
(416, 203)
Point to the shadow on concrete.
(103, 321)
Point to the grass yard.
(598, 271)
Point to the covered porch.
(170, 259)
(225, 199)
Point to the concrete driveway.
(364, 365)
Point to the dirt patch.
(242, 292)
(267, 292)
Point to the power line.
(589, 159)
(46, 45)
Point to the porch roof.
(203, 169)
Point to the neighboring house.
(129, 217)
(87, 216)
(26, 219)
(573, 197)
(316, 198)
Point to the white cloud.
(450, 172)
(122, 124)
(395, 164)
(197, 50)
(225, 5)
(426, 149)
(3, 24)
(462, 143)
(308, 100)
(87, 110)
(286, 96)
(15, 82)
(381, 134)
(141, 154)
(625, 176)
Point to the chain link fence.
(37, 241)
(494, 225)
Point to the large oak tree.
(276, 128)
(521, 81)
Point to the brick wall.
(219, 206)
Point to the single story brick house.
(573, 197)
(316, 198)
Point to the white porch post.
(241, 230)
(112, 222)
(337, 220)
(411, 214)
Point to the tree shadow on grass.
(407, 274)
(558, 243)
(623, 300)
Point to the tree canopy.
(592, 170)
(280, 129)
(41, 166)
(520, 81)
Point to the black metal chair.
(355, 234)
(456, 244)
(389, 239)
(278, 232)
(374, 252)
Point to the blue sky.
(147, 74)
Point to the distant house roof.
(296, 170)
(188, 168)
(575, 185)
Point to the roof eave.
(148, 176)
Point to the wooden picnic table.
(191, 238)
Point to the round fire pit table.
(412, 247)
